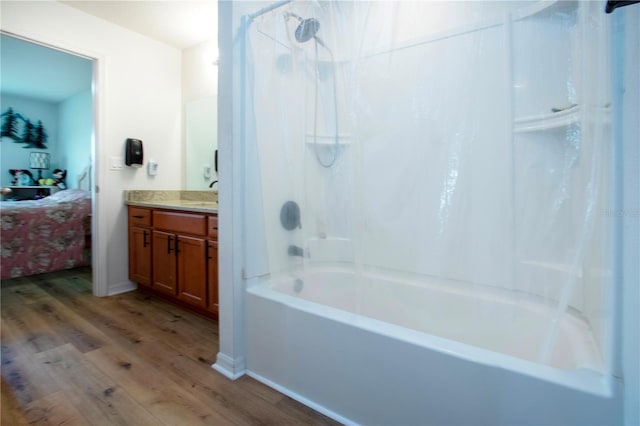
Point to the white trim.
(230, 359)
(98, 227)
(229, 367)
(121, 288)
(627, 207)
(301, 399)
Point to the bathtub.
(377, 348)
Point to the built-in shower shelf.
(549, 121)
(546, 9)
(343, 139)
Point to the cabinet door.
(140, 255)
(212, 275)
(164, 262)
(192, 273)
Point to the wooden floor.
(74, 359)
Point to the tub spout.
(295, 251)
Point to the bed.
(45, 235)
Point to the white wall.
(75, 133)
(199, 73)
(138, 95)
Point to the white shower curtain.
(462, 141)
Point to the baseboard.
(301, 399)
(229, 367)
(121, 288)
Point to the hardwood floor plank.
(96, 396)
(301, 413)
(216, 391)
(11, 412)
(25, 292)
(171, 322)
(153, 390)
(70, 327)
(247, 384)
(76, 279)
(131, 359)
(103, 314)
(27, 380)
(30, 329)
(54, 409)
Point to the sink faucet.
(211, 184)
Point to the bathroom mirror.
(201, 136)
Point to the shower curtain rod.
(266, 9)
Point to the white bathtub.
(370, 349)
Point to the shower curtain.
(466, 142)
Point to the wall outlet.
(207, 171)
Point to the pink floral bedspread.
(44, 235)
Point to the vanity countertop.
(194, 201)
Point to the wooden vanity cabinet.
(140, 245)
(165, 268)
(192, 270)
(179, 261)
(184, 265)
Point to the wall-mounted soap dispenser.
(133, 154)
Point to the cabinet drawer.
(212, 226)
(139, 216)
(187, 223)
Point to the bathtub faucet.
(295, 251)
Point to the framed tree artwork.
(19, 128)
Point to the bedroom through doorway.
(47, 107)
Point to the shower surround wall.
(464, 144)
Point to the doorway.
(54, 90)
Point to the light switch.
(116, 163)
(152, 167)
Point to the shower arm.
(250, 17)
(612, 5)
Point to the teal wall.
(52, 86)
(75, 132)
(14, 155)
(69, 127)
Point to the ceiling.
(179, 23)
(28, 68)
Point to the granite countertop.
(194, 201)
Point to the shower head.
(307, 29)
